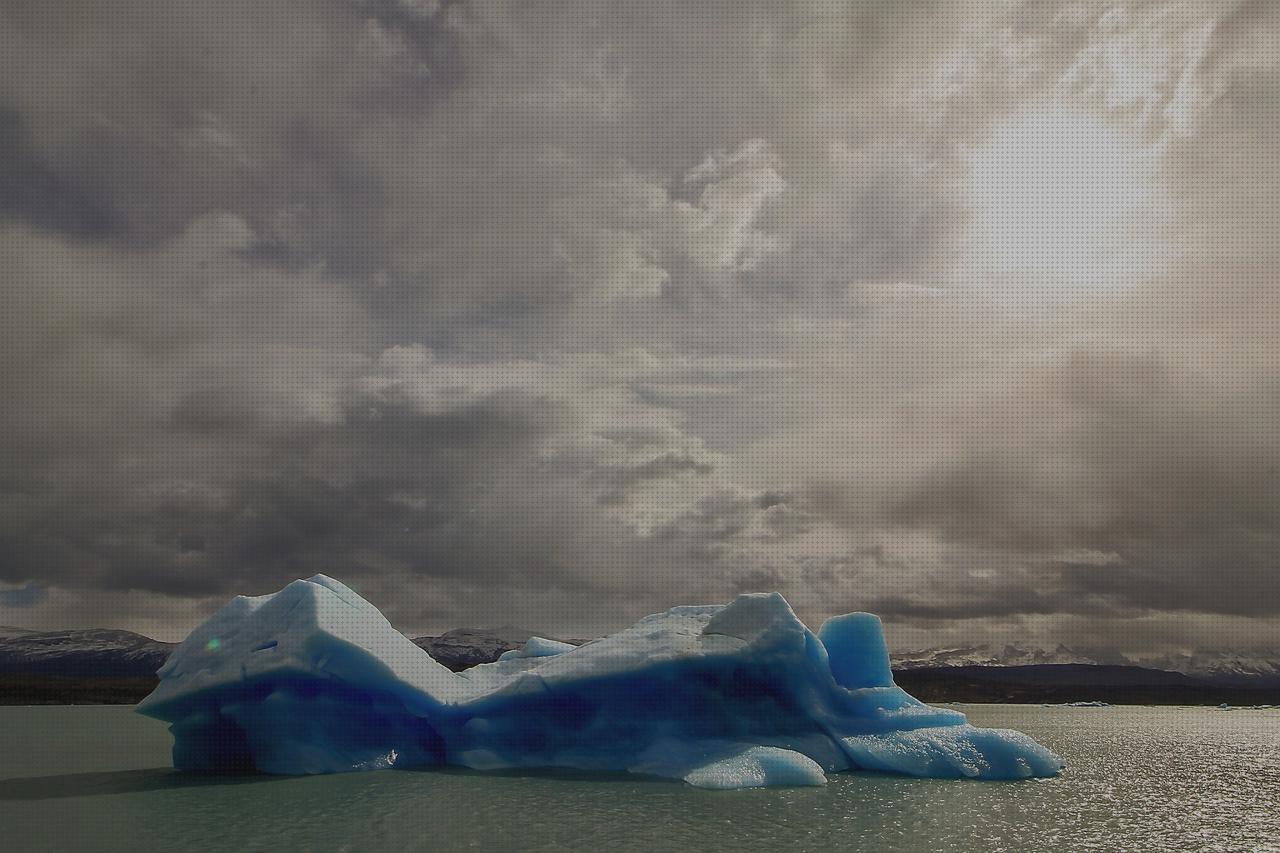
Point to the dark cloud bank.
(560, 313)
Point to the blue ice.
(314, 679)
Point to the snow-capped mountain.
(81, 653)
(100, 652)
(104, 652)
(1224, 667)
(1007, 655)
(466, 647)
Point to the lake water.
(97, 778)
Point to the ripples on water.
(1138, 778)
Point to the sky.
(556, 314)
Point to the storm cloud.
(558, 313)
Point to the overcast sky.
(556, 314)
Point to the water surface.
(97, 778)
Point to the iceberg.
(314, 679)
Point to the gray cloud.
(557, 313)
(32, 191)
(23, 597)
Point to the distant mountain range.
(89, 653)
(463, 648)
(1234, 668)
(59, 663)
(100, 652)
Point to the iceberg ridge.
(314, 679)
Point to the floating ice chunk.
(314, 679)
(758, 767)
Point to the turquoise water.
(96, 778)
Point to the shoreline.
(935, 687)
